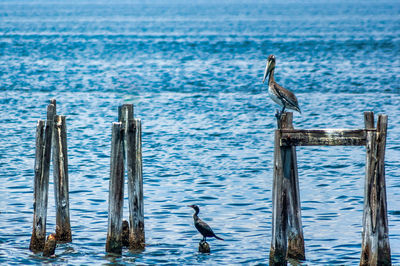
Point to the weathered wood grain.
(278, 250)
(43, 150)
(375, 235)
(135, 185)
(323, 137)
(287, 231)
(61, 180)
(296, 249)
(116, 199)
(38, 236)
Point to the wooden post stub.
(135, 185)
(116, 193)
(369, 120)
(50, 245)
(204, 247)
(61, 182)
(375, 235)
(41, 187)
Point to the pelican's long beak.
(266, 72)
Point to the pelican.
(279, 94)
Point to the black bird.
(201, 226)
(279, 94)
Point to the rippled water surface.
(193, 72)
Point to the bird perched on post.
(201, 226)
(279, 94)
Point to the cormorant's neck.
(271, 76)
(196, 213)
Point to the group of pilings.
(51, 140)
(126, 148)
(287, 232)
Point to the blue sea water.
(194, 73)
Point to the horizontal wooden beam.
(323, 137)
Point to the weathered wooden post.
(375, 235)
(295, 229)
(61, 186)
(116, 194)
(286, 214)
(133, 155)
(135, 185)
(41, 183)
(278, 249)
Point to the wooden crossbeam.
(323, 137)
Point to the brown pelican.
(201, 226)
(279, 94)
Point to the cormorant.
(279, 94)
(201, 226)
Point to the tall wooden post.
(133, 154)
(287, 231)
(295, 229)
(41, 183)
(277, 255)
(375, 235)
(61, 186)
(38, 235)
(135, 185)
(116, 193)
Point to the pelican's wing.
(287, 96)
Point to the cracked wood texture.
(375, 234)
(287, 231)
(116, 193)
(41, 179)
(61, 182)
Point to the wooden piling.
(133, 154)
(278, 249)
(204, 247)
(50, 246)
(41, 183)
(61, 183)
(116, 199)
(375, 235)
(295, 229)
(38, 236)
(135, 184)
(287, 232)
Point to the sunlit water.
(194, 72)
